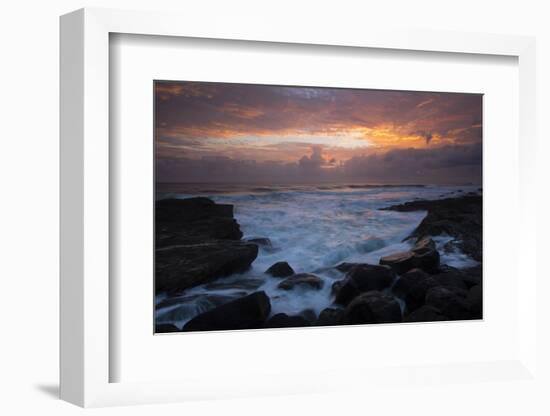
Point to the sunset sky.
(219, 132)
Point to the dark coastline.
(199, 241)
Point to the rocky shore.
(199, 241)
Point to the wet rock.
(280, 269)
(241, 284)
(372, 308)
(309, 315)
(412, 287)
(282, 320)
(459, 217)
(426, 313)
(330, 316)
(475, 299)
(165, 328)
(248, 312)
(423, 256)
(450, 301)
(301, 280)
(184, 266)
(362, 278)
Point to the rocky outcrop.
(193, 220)
(248, 312)
(280, 269)
(362, 278)
(372, 308)
(183, 266)
(459, 217)
(197, 241)
(423, 256)
(301, 280)
(282, 320)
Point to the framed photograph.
(227, 198)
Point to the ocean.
(313, 228)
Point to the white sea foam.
(313, 229)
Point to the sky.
(246, 133)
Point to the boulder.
(301, 280)
(412, 287)
(183, 266)
(450, 301)
(309, 315)
(282, 320)
(330, 316)
(423, 255)
(280, 269)
(372, 308)
(165, 328)
(362, 278)
(426, 313)
(248, 312)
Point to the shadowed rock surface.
(426, 313)
(372, 308)
(459, 217)
(330, 316)
(362, 278)
(280, 269)
(197, 241)
(184, 266)
(248, 312)
(301, 280)
(282, 320)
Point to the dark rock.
(426, 313)
(475, 299)
(282, 320)
(184, 266)
(372, 308)
(303, 280)
(280, 269)
(459, 217)
(165, 328)
(309, 315)
(346, 267)
(412, 287)
(362, 278)
(450, 301)
(330, 316)
(248, 312)
(423, 255)
(193, 220)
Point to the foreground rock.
(184, 266)
(248, 312)
(330, 316)
(426, 313)
(280, 269)
(423, 256)
(282, 320)
(372, 308)
(362, 278)
(165, 328)
(193, 220)
(451, 302)
(301, 280)
(197, 241)
(459, 217)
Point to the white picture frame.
(85, 220)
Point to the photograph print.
(291, 206)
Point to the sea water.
(313, 228)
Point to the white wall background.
(29, 188)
